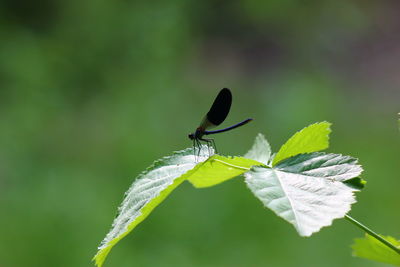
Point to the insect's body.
(198, 134)
(215, 116)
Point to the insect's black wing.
(220, 108)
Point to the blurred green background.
(91, 92)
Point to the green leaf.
(310, 139)
(260, 151)
(372, 249)
(307, 190)
(147, 192)
(218, 169)
(159, 180)
(356, 183)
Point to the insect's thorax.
(199, 133)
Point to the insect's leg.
(209, 149)
(210, 141)
(206, 140)
(214, 145)
(198, 147)
(194, 150)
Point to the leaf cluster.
(302, 185)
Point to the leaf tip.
(101, 256)
(312, 138)
(356, 183)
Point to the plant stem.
(372, 233)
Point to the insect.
(215, 116)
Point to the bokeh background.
(91, 92)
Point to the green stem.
(372, 233)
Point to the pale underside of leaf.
(306, 190)
(260, 151)
(310, 139)
(372, 249)
(147, 191)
